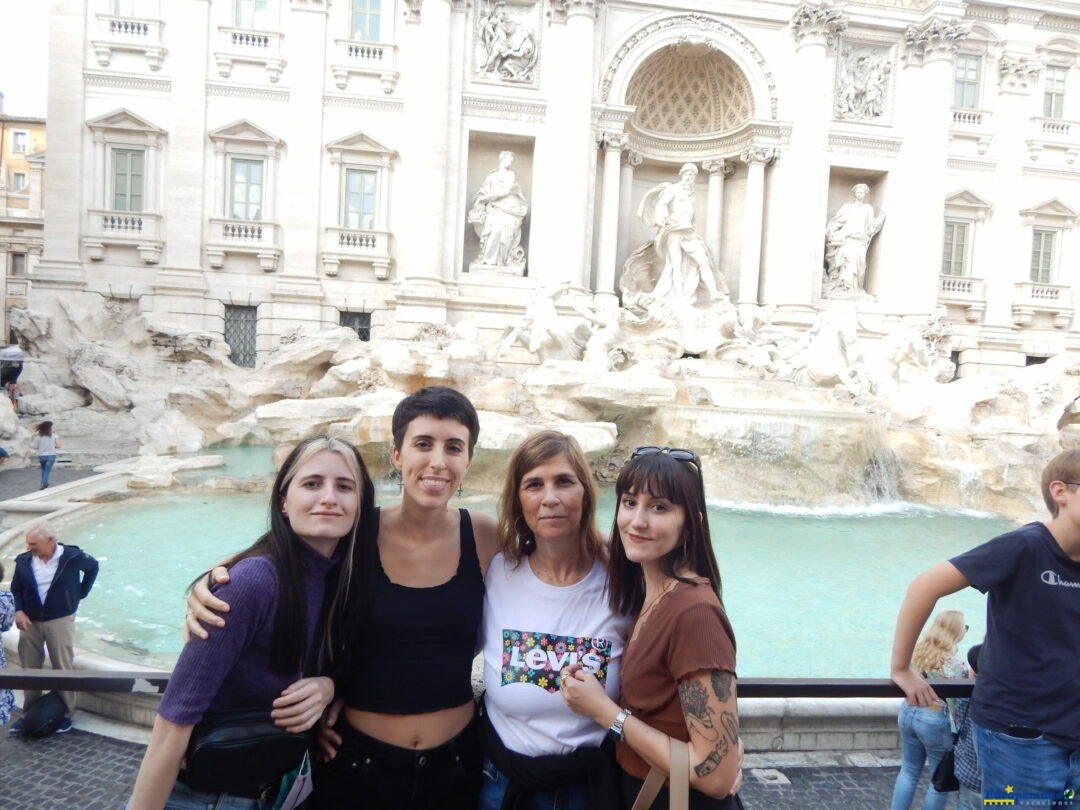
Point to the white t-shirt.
(531, 630)
(46, 445)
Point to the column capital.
(613, 141)
(632, 158)
(759, 154)
(1018, 73)
(561, 10)
(817, 24)
(725, 168)
(934, 39)
(412, 8)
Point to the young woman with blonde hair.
(925, 731)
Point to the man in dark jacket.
(48, 583)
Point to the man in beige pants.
(50, 580)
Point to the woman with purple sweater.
(322, 500)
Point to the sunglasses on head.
(677, 453)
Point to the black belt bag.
(241, 752)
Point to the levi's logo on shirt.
(538, 658)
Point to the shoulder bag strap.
(680, 775)
(679, 792)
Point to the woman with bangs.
(678, 673)
(545, 609)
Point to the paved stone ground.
(84, 771)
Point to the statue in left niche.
(507, 49)
(498, 210)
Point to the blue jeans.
(969, 799)
(1028, 766)
(46, 463)
(571, 797)
(926, 736)
(184, 798)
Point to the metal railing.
(82, 680)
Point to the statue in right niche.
(847, 240)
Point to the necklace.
(663, 592)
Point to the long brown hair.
(282, 545)
(536, 450)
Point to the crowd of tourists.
(330, 664)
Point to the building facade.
(250, 166)
(22, 166)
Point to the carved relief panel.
(506, 42)
(863, 90)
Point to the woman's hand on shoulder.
(712, 719)
(204, 607)
(301, 703)
(486, 533)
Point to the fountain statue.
(497, 212)
(671, 288)
(674, 269)
(847, 240)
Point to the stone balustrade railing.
(354, 57)
(1031, 297)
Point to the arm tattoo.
(721, 684)
(696, 709)
(731, 726)
(713, 760)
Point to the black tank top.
(419, 645)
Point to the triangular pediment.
(360, 143)
(123, 120)
(1051, 208)
(966, 198)
(245, 132)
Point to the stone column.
(756, 158)
(799, 185)
(563, 163)
(425, 86)
(714, 218)
(612, 143)
(630, 160)
(905, 278)
(62, 263)
(1006, 241)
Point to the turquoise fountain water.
(810, 594)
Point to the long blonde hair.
(939, 642)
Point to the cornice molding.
(482, 106)
(854, 143)
(126, 81)
(352, 102)
(221, 90)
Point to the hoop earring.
(526, 541)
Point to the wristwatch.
(615, 733)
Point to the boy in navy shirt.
(1026, 703)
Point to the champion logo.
(1053, 578)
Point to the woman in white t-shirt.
(546, 608)
(45, 444)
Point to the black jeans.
(368, 773)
